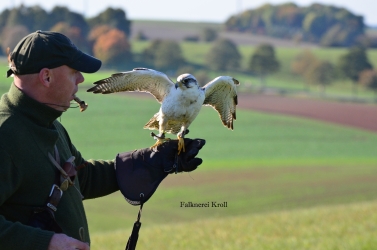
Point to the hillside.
(177, 31)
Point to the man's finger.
(198, 143)
(192, 165)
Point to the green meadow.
(288, 182)
(272, 170)
(349, 227)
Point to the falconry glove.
(141, 171)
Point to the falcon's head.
(186, 81)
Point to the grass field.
(289, 183)
(269, 163)
(351, 227)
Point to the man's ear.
(45, 77)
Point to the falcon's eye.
(184, 81)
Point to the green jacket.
(28, 132)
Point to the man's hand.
(167, 159)
(141, 171)
(64, 242)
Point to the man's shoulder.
(7, 123)
(8, 127)
(12, 129)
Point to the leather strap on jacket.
(56, 192)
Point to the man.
(43, 177)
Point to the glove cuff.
(135, 178)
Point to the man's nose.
(80, 78)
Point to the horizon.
(169, 10)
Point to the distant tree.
(334, 37)
(168, 56)
(321, 73)
(33, 18)
(368, 78)
(97, 31)
(353, 63)
(74, 34)
(263, 61)
(115, 18)
(223, 55)
(63, 14)
(140, 36)
(164, 55)
(313, 22)
(4, 19)
(209, 35)
(302, 63)
(148, 55)
(11, 36)
(113, 49)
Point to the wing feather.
(151, 81)
(221, 94)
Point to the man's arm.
(96, 177)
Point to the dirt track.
(358, 115)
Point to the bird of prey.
(180, 101)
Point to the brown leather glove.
(141, 171)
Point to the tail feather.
(171, 127)
(152, 124)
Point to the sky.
(192, 10)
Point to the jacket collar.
(38, 112)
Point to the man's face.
(64, 86)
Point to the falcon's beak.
(178, 84)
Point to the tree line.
(107, 37)
(323, 24)
(353, 65)
(224, 55)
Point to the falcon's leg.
(161, 136)
(160, 139)
(181, 141)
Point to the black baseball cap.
(45, 49)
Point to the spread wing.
(221, 94)
(139, 79)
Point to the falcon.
(180, 101)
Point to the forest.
(323, 24)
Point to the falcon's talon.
(160, 140)
(181, 145)
(158, 137)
